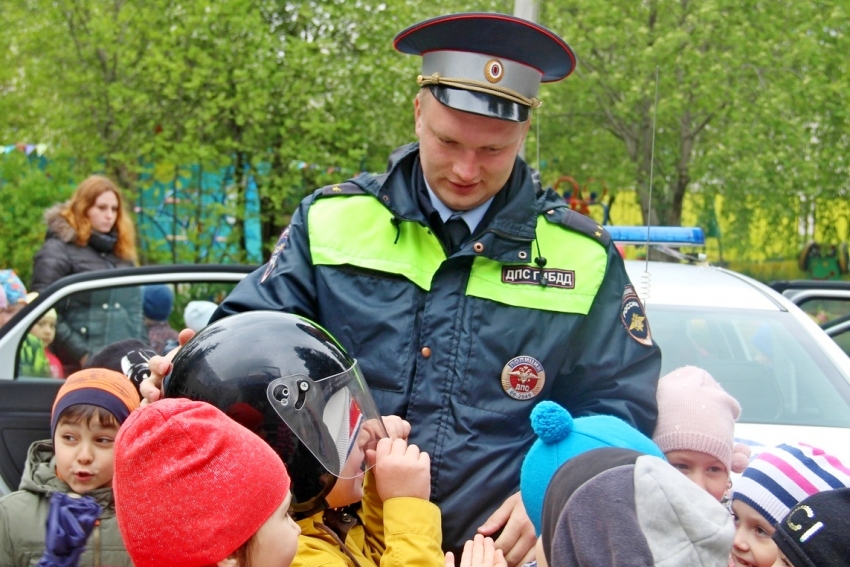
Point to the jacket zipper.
(97, 543)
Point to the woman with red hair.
(91, 231)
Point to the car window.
(824, 310)
(841, 334)
(766, 360)
(87, 321)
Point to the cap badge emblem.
(523, 377)
(494, 71)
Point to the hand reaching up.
(401, 470)
(478, 552)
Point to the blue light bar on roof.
(669, 235)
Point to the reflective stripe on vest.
(357, 230)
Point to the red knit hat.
(191, 485)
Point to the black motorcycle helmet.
(279, 375)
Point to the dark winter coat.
(87, 321)
(464, 345)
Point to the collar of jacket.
(507, 235)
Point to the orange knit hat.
(99, 387)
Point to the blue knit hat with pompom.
(560, 439)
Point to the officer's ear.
(417, 112)
(525, 126)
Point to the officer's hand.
(401, 470)
(517, 539)
(160, 366)
(480, 552)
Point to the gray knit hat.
(646, 513)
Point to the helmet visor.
(335, 418)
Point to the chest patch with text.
(564, 279)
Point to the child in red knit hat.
(696, 428)
(67, 482)
(194, 488)
(359, 490)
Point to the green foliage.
(26, 190)
(752, 101)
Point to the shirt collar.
(471, 217)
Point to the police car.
(791, 379)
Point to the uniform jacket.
(87, 321)
(465, 345)
(401, 531)
(23, 517)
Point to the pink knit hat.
(695, 413)
(191, 485)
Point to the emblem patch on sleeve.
(523, 377)
(634, 317)
(278, 248)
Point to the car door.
(26, 398)
(827, 302)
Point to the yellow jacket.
(402, 531)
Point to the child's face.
(705, 470)
(277, 539)
(348, 489)
(85, 454)
(752, 546)
(45, 329)
(9, 312)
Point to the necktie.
(458, 232)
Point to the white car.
(790, 377)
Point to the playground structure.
(824, 262)
(585, 201)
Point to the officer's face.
(466, 158)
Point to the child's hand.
(480, 552)
(397, 428)
(401, 470)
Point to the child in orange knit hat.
(67, 482)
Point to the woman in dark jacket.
(90, 232)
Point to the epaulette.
(579, 223)
(346, 188)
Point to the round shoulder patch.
(634, 317)
(523, 377)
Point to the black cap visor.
(480, 103)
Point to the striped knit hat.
(780, 477)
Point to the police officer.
(467, 293)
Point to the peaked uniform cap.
(487, 63)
